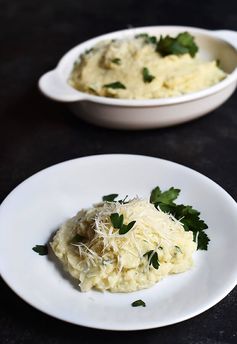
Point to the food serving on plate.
(144, 67)
(128, 245)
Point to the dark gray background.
(36, 133)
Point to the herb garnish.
(109, 198)
(42, 250)
(147, 77)
(178, 249)
(115, 85)
(138, 303)
(153, 259)
(189, 217)
(117, 222)
(88, 51)
(182, 44)
(123, 201)
(147, 38)
(203, 241)
(116, 61)
(78, 238)
(90, 88)
(142, 35)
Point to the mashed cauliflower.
(116, 69)
(95, 254)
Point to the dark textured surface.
(36, 133)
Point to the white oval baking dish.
(147, 113)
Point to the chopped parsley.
(117, 222)
(109, 198)
(189, 217)
(115, 85)
(147, 38)
(88, 51)
(78, 238)
(142, 35)
(153, 259)
(178, 249)
(125, 228)
(123, 201)
(92, 89)
(138, 303)
(183, 43)
(42, 250)
(147, 77)
(116, 60)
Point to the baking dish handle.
(52, 86)
(228, 35)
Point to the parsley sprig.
(117, 222)
(186, 214)
(183, 43)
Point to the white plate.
(36, 208)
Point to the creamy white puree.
(107, 260)
(175, 75)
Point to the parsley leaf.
(166, 197)
(116, 61)
(78, 238)
(109, 198)
(155, 194)
(42, 250)
(203, 241)
(189, 217)
(153, 259)
(147, 77)
(152, 39)
(117, 222)
(147, 38)
(138, 303)
(115, 85)
(182, 44)
(125, 228)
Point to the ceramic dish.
(36, 208)
(150, 113)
